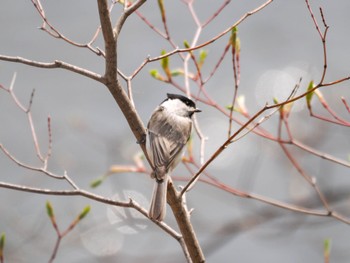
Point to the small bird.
(169, 129)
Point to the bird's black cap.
(184, 99)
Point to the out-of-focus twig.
(57, 34)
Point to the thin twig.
(345, 104)
(322, 155)
(57, 34)
(210, 19)
(217, 65)
(49, 131)
(53, 65)
(236, 75)
(295, 163)
(26, 166)
(340, 120)
(322, 36)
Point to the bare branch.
(320, 154)
(280, 204)
(322, 36)
(216, 13)
(345, 104)
(26, 166)
(56, 34)
(338, 119)
(49, 131)
(52, 65)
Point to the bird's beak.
(197, 110)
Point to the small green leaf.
(202, 56)
(49, 209)
(233, 38)
(96, 182)
(84, 212)
(164, 61)
(235, 43)
(154, 73)
(165, 66)
(2, 243)
(275, 100)
(186, 44)
(309, 95)
(176, 72)
(229, 107)
(234, 30)
(162, 9)
(327, 247)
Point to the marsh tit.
(169, 129)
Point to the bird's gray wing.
(164, 153)
(165, 150)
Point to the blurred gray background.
(279, 45)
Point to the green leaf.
(164, 61)
(275, 100)
(234, 30)
(309, 95)
(2, 243)
(165, 65)
(327, 247)
(96, 182)
(49, 209)
(154, 73)
(84, 212)
(176, 72)
(186, 44)
(202, 56)
(162, 9)
(229, 107)
(233, 38)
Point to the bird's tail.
(158, 203)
